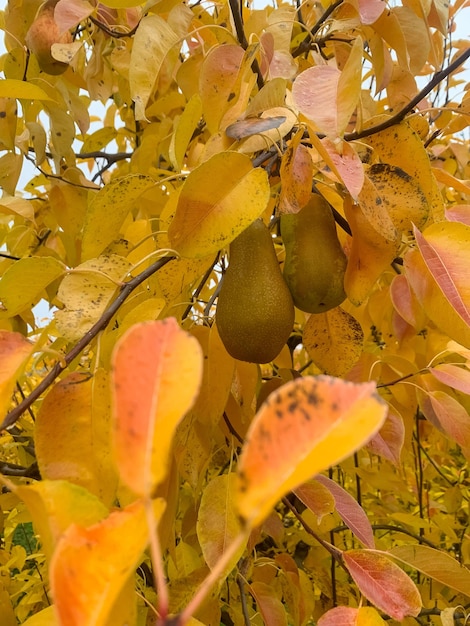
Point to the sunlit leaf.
(91, 566)
(15, 350)
(218, 201)
(108, 210)
(436, 564)
(383, 583)
(217, 521)
(304, 427)
(352, 514)
(152, 41)
(18, 206)
(157, 372)
(333, 340)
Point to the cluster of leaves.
(129, 413)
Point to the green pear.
(44, 32)
(255, 312)
(315, 262)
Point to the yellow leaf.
(18, 206)
(349, 85)
(304, 427)
(388, 144)
(46, 617)
(108, 210)
(370, 255)
(13, 88)
(219, 199)
(86, 291)
(10, 170)
(333, 341)
(55, 505)
(184, 130)
(24, 281)
(217, 522)
(157, 372)
(99, 139)
(152, 41)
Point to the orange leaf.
(157, 372)
(72, 435)
(91, 566)
(303, 427)
(271, 608)
(14, 352)
(383, 583)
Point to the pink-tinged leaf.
(350, 511)
(14, 352)
(296, 174)
(69, 13)
(339, 616)
(445, 248)
(448, 415)
(157, 372)
(383, 583)
(315, 94)
(302, 428)
(453, 376)
(91, 566)
(433, 301)
(370, 10)
(388, 442)
(347, 165)
(349, 616)
(316, 497)
(436, 564)
(271, 608)
(459, 213)
(404, 301)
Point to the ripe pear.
(315, 262)
(44, 32)
(255, 312)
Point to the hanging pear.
(255, 312)
(315, 263)
(44, 32)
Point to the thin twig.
(238, 21)
(398, 117)
(100, 325)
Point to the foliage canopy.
(150, 477)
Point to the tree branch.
(100, 325)
(398, 117)
(238, 21)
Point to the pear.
(44, 32)
(315, 262)
(255, 312)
